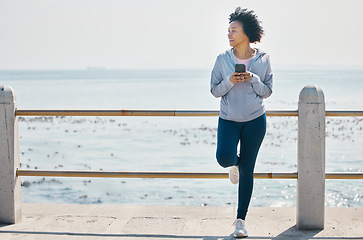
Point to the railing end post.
(310, 204)
(10, 196)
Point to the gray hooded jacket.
(241, 102)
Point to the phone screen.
(240, 68)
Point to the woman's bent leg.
(251, 138)
(227, 140)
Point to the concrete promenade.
(59, 221)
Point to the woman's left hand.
(246, 76)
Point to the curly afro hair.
(251, 25)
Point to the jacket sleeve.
(263, 88)
(219, 84)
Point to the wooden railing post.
(10, 200)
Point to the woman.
(242, 118)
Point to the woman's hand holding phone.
(240, 74)
(236, 78)
(240, 77)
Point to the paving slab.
(72, 221)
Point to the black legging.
(250, 135)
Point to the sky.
(172, 34)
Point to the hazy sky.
(122, 34)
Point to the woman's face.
(236, 35)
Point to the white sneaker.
(234, 174)
(240, 231)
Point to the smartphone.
(240, 68)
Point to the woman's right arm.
(219, 84)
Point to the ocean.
(173, 143)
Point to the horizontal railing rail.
(116, 174)
(344, 175)
(145, 113)
(176, 113)
(168, 113)
(196, 175)
(344, 113)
